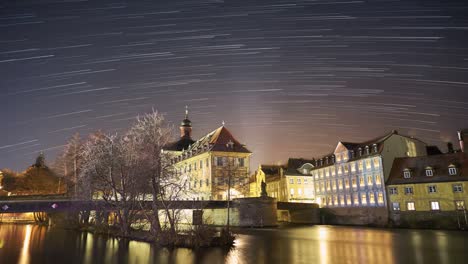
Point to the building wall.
(297, 188)
(422, 198)
(351, 183)
(398, 146)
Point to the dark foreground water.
(305, 244)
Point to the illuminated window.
(368, 164)
(429, 172)
(380, 198)
(327, 172)
(345, 156)
(342, 200)
(291, 181)
(376, 162)
(353, 166)
(396, 206)
(346, 183)
(353, 182)
(410, 206)
(393, 190)
(333, 171)
(333, 185)
(356, 199)
(361, 181)
(340, 170)
(338, 157)
(292, 191)
(378, 180)
(328, 185)
(299, 191)
(340, 184)
(460, 205)
(369, 180)
(432, 189)
(408, 190)
(322, 187)
(363, 198)
(435, 205)
(406, 173)
(371, 198)
(452, 170)
(360, 165)
(457, 188)
(348, 199)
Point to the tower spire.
(186, 125)
(186, 112)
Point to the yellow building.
(210, 163)
(273, 176)
(425, 188)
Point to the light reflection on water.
(307, 244)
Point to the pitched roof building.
(210, 163)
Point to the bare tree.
(151, 133)
(69, 163)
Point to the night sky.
(290, 78)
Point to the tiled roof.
(219, 139)
(439, 164)
(179, 145)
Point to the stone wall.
(430, 219)
(373, 216)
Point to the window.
(292, 191)
(353, 167)
(340, 170)
(201, 164)
(369, 180)
(201, 183)
(378, 180)
(340, 184)
(346, 168)
(195, 166)
(207, 182)
(298, 181)
(353, 181)
(219, 161)
(457, 188)
(342, 200)
(393, 190)
(396, 206)
(408, 190)
(435, 206)
(333, 185)
(429, 172)
(361, 181)
(452, 170)
(406, 174)
(346, 181)
(348, 200)
(460, 205)
(363, 198)
(410, 206)
(305, 181)
(371, 198)
(304, 171)
(368, 164)
(360, 165)
(376, 162)
(432, 189)
(299, 191)
(291, 181)
(356, 199)
(328, 185)
(206, 162)
(380, 198)
(241, 162)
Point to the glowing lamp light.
(5, 207)
(54, 206)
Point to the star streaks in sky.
(291, 78)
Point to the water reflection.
(314, 244)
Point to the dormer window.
(374, 148)
(406, 173)
(230, 144)
(304, 171)
(367, 150)
(351, 153)
(429, 172)
(452, 170)
(360, 152)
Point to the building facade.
(354, 174)
(427, 188)
(211, 164)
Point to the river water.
(304, 244)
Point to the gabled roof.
(272, 170)
(219, 139)
(439, 163)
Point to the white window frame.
(457, 188)
(429, 172)
(406, 174)
(452, 171)
(393, 190)
(409, 188)
(435, 205)
(432, 189)
(410, 206)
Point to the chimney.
(461, 136)
(450, 147)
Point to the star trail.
(290, 78)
